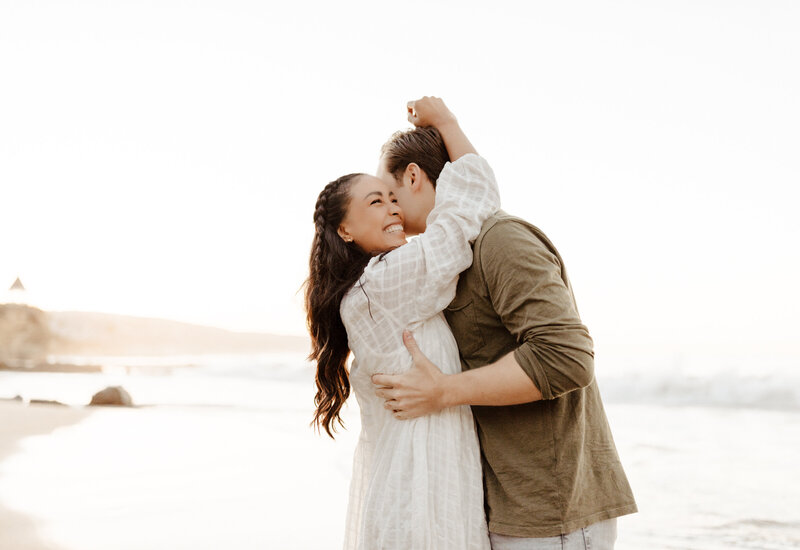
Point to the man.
(552, 475)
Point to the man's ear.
(344, 234)
(412, 177)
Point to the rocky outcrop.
(85, 333)
(17, 398)
(28, 335)
(112, 395)
(47, 402)
(24, 334)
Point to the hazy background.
(163, 158)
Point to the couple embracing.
(481, 422)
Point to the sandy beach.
(20, 420)
(188, 476)
(222, 456)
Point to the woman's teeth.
(393, 228)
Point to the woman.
(416, 483)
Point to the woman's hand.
(430, 111)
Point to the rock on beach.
(112, 395)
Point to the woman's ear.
(344, 234)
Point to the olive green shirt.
(550, 466)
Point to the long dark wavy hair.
(334, 267)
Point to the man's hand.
(414, 393)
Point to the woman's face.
(373, 220)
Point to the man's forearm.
(497, 384)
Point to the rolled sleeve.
(530, 292)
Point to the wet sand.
(17, 421)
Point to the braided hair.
(334, 267)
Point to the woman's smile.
(394, 228)
(374, 221)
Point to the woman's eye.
(375, 202)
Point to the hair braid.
(334, 267)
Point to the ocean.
(220, 454)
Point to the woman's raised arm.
(418, 280)
(431, 111)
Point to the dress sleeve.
(418, 280)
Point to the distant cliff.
(107, 334)
(28, 333)
(24, 333)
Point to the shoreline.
(21, 420)
(51, 367)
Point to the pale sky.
(162, 158)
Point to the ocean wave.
(697, 382)
(700, 382)
(777, 390)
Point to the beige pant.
(598, 536)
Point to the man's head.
(411, 162)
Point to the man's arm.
(529, 291)
(536, 306)
(424, 389)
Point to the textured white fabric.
(417, 483)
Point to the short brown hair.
(422, 146)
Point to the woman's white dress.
(417, 483)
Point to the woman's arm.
(418, 280)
